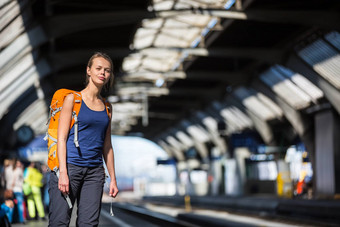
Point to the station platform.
(319, 212)
(213, 211)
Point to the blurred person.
(8, 190)
(33, 177)
(82, 174)
(8, 171)
(16, 185)
(7, 163)
(6, 205)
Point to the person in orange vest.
(33, 178)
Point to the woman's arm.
(63, 131)
(109, 160)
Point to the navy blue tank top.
(92, 128)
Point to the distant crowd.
(24, 191)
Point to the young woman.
(82, 174)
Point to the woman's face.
(100, 71)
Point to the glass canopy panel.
(198, 133)
(15, 71)
(187, 4)
(210, 122)
(160, 45)
(244, 120)
(132, 63)
(195, 20)
(144, 38)
(235, 118)
(159, 63)
(132, 108)
(152, 24)
(334, 39)
(35, 116)
(175, 147)
(232, 125)
(285, 88)
(177, 22)
(118, 117)
(272, 105)
(17, 88)
(302, 82)
(324, 59)
(180, 30)
(174, 142)
(159, 5)
(185, 139)
(165, 146)
(175, 37)
(150, 60)
(253, 103)
(12, 19)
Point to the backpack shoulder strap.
(77, 101)
(76, 108)
(76, 105)
(108, 108)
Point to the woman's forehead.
(101, 61)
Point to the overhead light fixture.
(159, 82)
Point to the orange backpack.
(53, 121)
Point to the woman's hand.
(113, 189)
(63, 183)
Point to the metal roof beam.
(222, 76)
(176, 102)
(65, 59)
(321, 18)
(163, 115)
(211, 92)
(268, 55)
(57, 26)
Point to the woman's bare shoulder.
(69, 98)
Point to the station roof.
(180, 65)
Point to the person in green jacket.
(33, 177)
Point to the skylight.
(166, 32)
(324, 59)
(258, 103)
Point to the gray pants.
(86, 185)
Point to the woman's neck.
(92, 92)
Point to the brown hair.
(109, 84)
